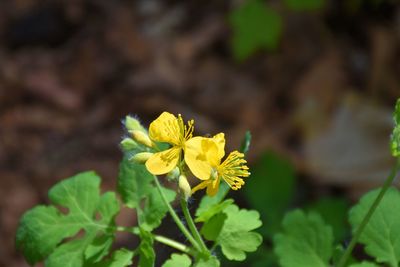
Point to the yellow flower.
(169, 129)
(231, 170)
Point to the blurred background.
(315, 81)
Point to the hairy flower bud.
(132, 124)
(141, 157)
(142, 138)
(128, 144)
(184, 186)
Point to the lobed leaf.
(305, 241)
(381, 236)
(236, 237)
(43, 228)
(213, 227)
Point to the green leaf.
(98, 248)
(381, 236)
(134, 182)
(395, 137)
(236, 236)
(146, 252)
(305, 5)
(43, 228)
(181, 260)
(208, 202)
(210, 262)
(212, 228)
(203, 215)
(334, 213)
(306, 241)
(155, 209)
(270, 189)
(120, 258)
(255, 26)
(135, 185)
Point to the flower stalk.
(176, 218)
(192, 226)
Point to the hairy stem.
(176, 218)
(192, 226)
(354, 240)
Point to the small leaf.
(212, 228)
(203, 215)
(210, 262)
(255, 26)
(381, 234)
(181, 260)
(146, 252)
(236, 237)
(306, 241)
(395, 138)
(305, 5)
(43, 228)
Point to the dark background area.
(70, 70)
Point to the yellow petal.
(220, 142)
(163, 162)
(212, 188)
(166, 128)
(201, 155)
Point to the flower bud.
(132, 124)
(184, 186)
(142, 138)
(141, 157)
(128, 144)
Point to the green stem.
(192, 226)
(176, 218)
(161, 239)
(354, 240)
(174, 244)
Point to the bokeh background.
(315, 82)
